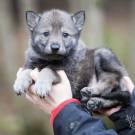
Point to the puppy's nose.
(55, 46)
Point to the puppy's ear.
(32, 19)
(79, 19)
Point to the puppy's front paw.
(94, 104)
(23, 82)
(21, 85)
(42, 88)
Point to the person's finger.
(129, 83)
(33, 98)
(49, 99)
(32, 89)
(63, 75)
(42, 104)
(109, 112)
(32, 95)
(29, 98)
(34, 74)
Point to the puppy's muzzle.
(55, 47)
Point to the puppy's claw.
(19, 94)
(42, 97)
(42, 89)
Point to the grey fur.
(32, 19)
(97, 72)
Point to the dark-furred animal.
(95, 74)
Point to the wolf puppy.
(95, 74)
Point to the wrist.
(59, 107)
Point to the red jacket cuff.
(56, 110)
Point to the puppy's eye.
(65, 35)
(46, 34)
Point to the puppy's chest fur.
(79, 68)
(80, 71)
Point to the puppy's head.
(55, 33)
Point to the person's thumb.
(63, 76)
(129, 83)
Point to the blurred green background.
(109, 23)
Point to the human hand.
(130, 86)
(60, 92)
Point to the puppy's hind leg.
(122, 96)
(97, 103)
(106, 60)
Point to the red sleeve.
(56, 110)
